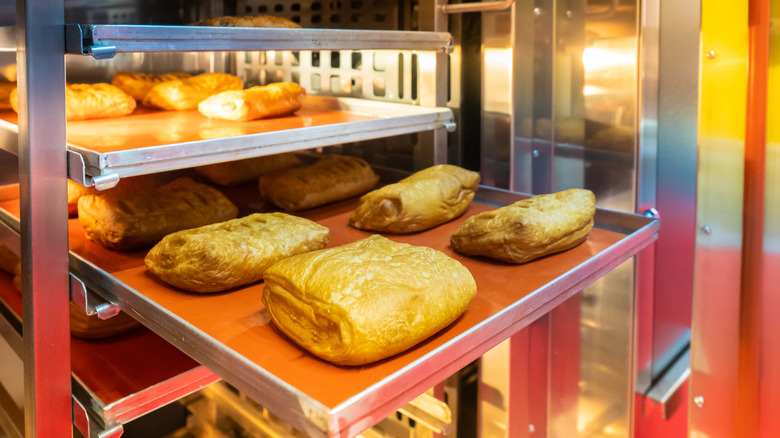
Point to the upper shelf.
(150, 141)
(104, 41)
(231, 334)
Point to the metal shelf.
(154, 141)
(230, 333)
(104, 41)
(116, 379)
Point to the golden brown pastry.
(186, 94)
(423, 200)
(222, 256)
(129, 220)
(248, 21)
(76, 191)
(139, 84)
(330, 179)
(530, 228)
(90, 101)
(367, 300)
(232, 173)
(6, 88)
(277, 99)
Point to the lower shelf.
(123, 377)
(231, 333)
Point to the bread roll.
(225, 255)
(330, 179)
(528, 229)
(76, 191)
(367, 300)
(186, 94)
(423, 200)
(131, 220)
(90, 101)
(277, 99)
(232, 173)
(139, 84)
(248, 21)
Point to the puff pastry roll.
(222, 256)
(367, 300)
(232, 173)
(423, 200)
(277, 99)
(330, 179)
(528, 229)
(90, 101)
(248, 21)
(130, 220)
(186, 94)
(139, 84)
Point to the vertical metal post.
(44, 217)
(434, 91)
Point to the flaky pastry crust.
(186, 94)
(277, 99)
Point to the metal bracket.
(89, 302)
(450, 126)
(77, 172)
(79, 41)
(665, 391)
(89, 427)
(431, 412)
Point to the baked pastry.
(330, 179)
(277, 99)
(90, 101)
(423, 200)
(186, 94)
(6, 88)
(129, 220)
(139, 84)
(76, 191)
(225, 255)
(367, 300)
(528, 229)
(231, 173)
(248, 21)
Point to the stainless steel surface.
(433, 76)
(381, 399)
(81, 39)
(41, 81)
(379, 119)
(459, 8)
(11, 416)
(667, 389)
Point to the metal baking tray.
(231, 334)
(116, 379)
(150, 141)
(104, 41)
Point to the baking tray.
(104, 41)
(149, 141)
(230, 333)
(119, 378)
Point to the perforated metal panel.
(338, 14)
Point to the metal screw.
(537, 11)
(569, 14)
(531, 428)
(535, 153)
(699, 400)
(650, 212)
(711, 54)
(706, 230)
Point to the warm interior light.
(595, 58)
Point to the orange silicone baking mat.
(147, 127)
(238, 320)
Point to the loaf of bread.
(76, 191)
(330, 179)
(130, 220)
(225, 255)
(248, 21)
(231, 173)
(186, 94)
(139, 84)
(367, 300)
(528, 229)
(277, 99)
(423, 200)
(90, 101)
